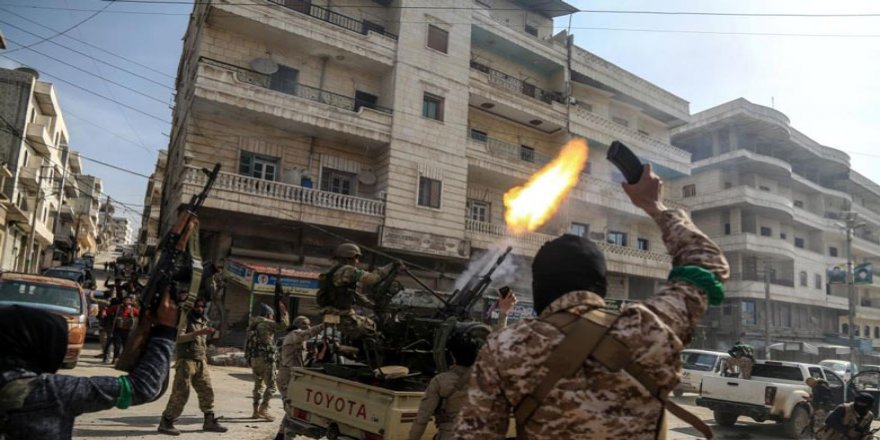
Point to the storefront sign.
(423, 243)
(239, 273)
(296, 283)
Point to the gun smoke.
(514, 271)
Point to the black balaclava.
(566, 264)
(32, 339)
(863, 403)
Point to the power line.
(93, 92)
(93, 10)
(91, 57)
(68, 112)
(66, 30)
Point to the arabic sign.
(239, 273)
(298, 283)
(423, 243)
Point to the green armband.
(702, 279)
(124, 399)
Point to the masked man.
(850, 421)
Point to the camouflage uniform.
(191, 368)
(849, 422)
(264, 355)
(744, 363)
(293, 354)
(443, 399)
(595, 402)
(347, 276)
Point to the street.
(232, 387)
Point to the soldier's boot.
(256, 414)
(212, 424)
(166, 426)
(263, 412)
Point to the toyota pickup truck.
(776, 391)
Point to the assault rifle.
(177, 268)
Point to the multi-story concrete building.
(401, 127)
(774, 199)
(34, 142)
(148, 236)
(87, 214)
(122, 231)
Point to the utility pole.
(65, 153)
(767, 274)
(850, 283)
(30, 257)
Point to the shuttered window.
(438, 39)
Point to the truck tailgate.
(734, 390)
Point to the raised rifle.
(279, 295)
(178, 268)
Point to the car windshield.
(698, 361)
(72, 275)
(55, 298)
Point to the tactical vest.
(256, 347)
(331, 295)
(197, 348)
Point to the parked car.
(83, 263)
(74, 273)
(94, 330)
(698, 364)
(844, 369)
(776, 391)
(56, 295)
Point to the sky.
(828, 86)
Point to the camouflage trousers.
(356, 326)
(264, 379)
(819, 416)
(190, 372)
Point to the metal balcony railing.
(752, 276)
(360, 26)
(516, 85)
(245, 75)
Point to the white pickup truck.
(776, 391)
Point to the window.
(799, 242)
(689, 191)
(833, 379)
(747, 309)
(438, 39)
(832, 251)
(432, 107)
(727, 309)
(867, 332)
(25, 160)
(616, 237)
(643, 244)
(339, 182)
(429, 192)
(526, 153)
(579, 229)
(727, 229)
(620, 121)
(479, 210)
(364, 99)
(261, 167)
(798, 203)
(764, 188)
(766, 232)
(783, 235)
(728, 185)
(479, 135)
(856, 330)
(284, 80)
(844, 329)
(531, 30)
(803, 278)
(817, 281)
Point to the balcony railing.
(360, 26)
(292, 193)
(747, 276)
(516, 85)
(245, 75)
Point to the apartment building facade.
(775, 201)
(400, 125)
(123, 233)
(148, 235)
(87, 214)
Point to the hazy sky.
(828, 86)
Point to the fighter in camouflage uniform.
(596, 402)
(340, 297)
(293, 355)
(191, 368)
(261, 354)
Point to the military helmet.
(465, 342)
(265, 311)
(299, 320)
(347, 250)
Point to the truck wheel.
(723, 418)
(798, 424)
(677, 393)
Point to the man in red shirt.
(123, 320)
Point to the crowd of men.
(575, 371)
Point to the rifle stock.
(173, 266)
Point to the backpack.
(330, 295)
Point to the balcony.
(42, 234)
(752, 286)
(45, 94)
(545, 48)
(304, 27)
(248, 195)
(304, 108)
(866, 214)
(742, 195)
(594, 126)
(29, 177)
(620, 259)
(39, 138)
(748, 242)
(67, 212)
(512, 98)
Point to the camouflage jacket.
(293, 349)
(190, 345)
(356, 279)
(595, 403)
(261, 337)
(439, 402)
(53, 401)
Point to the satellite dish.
(366, 178)
(264, 65)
